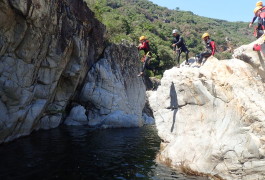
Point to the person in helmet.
(179, 46)
(144, 45)
(259, 11)
(210, 48)
(258, 4)
(258, 29)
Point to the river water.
(80, 153)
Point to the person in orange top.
(210, 48)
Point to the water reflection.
(78, 153)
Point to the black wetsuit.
(180, 47)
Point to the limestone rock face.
(212, 119)
(113, 94)
(46, 49)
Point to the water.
(79, 153)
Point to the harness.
(180, 40)
(208, 45)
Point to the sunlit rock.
(211, 119)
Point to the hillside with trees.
(129, 19)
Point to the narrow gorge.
(56, 67)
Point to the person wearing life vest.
(179, 46)
(210, 48)
(259, 11)
(258, 29)
(258, 4)
(144, 45)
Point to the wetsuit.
(210, 50)
(180, 47)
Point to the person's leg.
(200, 57)
(187, 57)
(146, 60)
(178, 56)
(205, 55)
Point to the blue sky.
(230, 10)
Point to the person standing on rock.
(259, 11)
(258, 4)
(179, 46)
(210, 48)
(144, 45)
(259, 29)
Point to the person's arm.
(179, 41)
(212, 43)
(143, 46)
(253, 20)
(174, 45)
(140, 45)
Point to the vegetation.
(129, 19)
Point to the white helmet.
(175, 31)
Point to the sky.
(230, 10)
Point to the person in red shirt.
(144, 45)
(210, 48)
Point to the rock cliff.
(113, 95)
(212, 119)
(46, 51)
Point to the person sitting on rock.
(179, 46)
(210, 48)
(258, 29)
(144, 45)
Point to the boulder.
(211, 119)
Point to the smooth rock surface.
(212, 119)
(46, 49)
(113, 94)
